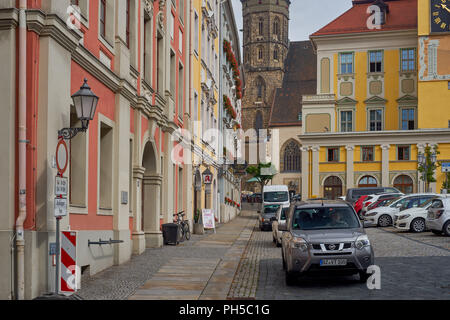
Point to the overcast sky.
(306, 16)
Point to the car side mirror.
(282, 227)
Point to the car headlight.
(362, 242)
(404, 216)
(371, 214)
(298, 243)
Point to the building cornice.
(9, 18)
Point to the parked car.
(354, 194)
(413, 219)
(280, 219)
(384, 216)
(382, 203)
(276, 194)
(375, 197)
(266, 217)
(324, 237)
(438, 218)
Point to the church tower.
(266, 42)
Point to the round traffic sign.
(62, 156)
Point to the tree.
(430, 165)
(263, 173)
(446, 183)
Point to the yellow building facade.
(372, 115)
(204, 100)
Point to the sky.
(306, 16)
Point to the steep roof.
(402, 15)
(300, 78)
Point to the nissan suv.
(324, 237)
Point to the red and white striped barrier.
(68, 275)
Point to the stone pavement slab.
(190, 278)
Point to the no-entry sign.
(62, 156)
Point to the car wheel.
(447, 228)
(437, 232)
(418, 225)
(363, 276)
(385, 220)
(290, 278)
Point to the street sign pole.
(57, 256)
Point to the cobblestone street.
(242, 262)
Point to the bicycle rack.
(102, 242)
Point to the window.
(77, 165)
(408, 119)
(147, 48)
(160, 64)
(408, 59)
(103, 18)
(367, 182)
(173, 68)
(276, 27)
(346, 121)
(180, 90)
(291, 158)
(127, 31)
(196, 26)
(180, 41)
(404, 183)
(130, 178)
(367, 153)
(333, 154)
(346, 61)
(181, 9)
(376, 61)
(260, 53)
(260, 27)
(105, 166)
(171, 25)
(375, 120)
(275, 54)
(403, 153)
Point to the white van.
(276, 195)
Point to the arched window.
(291, 161)
(259, 122)
(332, 188)
(275, 54)
(367, 181)
(260, 26)
(260, 53)
(276, 27)
(404, 183)
(260, 88)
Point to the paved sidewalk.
(206, 277)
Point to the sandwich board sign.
(208, 219)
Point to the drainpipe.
(22, 144)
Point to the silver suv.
(324, 237)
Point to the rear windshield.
(270, 209)
(276, 196)
(324, 218)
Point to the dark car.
(324, 237)
(354, 194)
(268, 215)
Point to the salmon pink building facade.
(122, 181)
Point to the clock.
(440, 15)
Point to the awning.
(254, 179)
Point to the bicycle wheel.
(180, 233)
(187, 231)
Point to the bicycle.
(184, 232)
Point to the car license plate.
(333, 262)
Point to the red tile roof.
(402, 15)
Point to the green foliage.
(263, 172)
(446, 183)
(197, 216)
(427, 171)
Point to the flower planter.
(199, 228)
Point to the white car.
(280, 219)
(384, 216)
(372, 198)
(438, 219)
(413, 219)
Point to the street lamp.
(85, 102)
